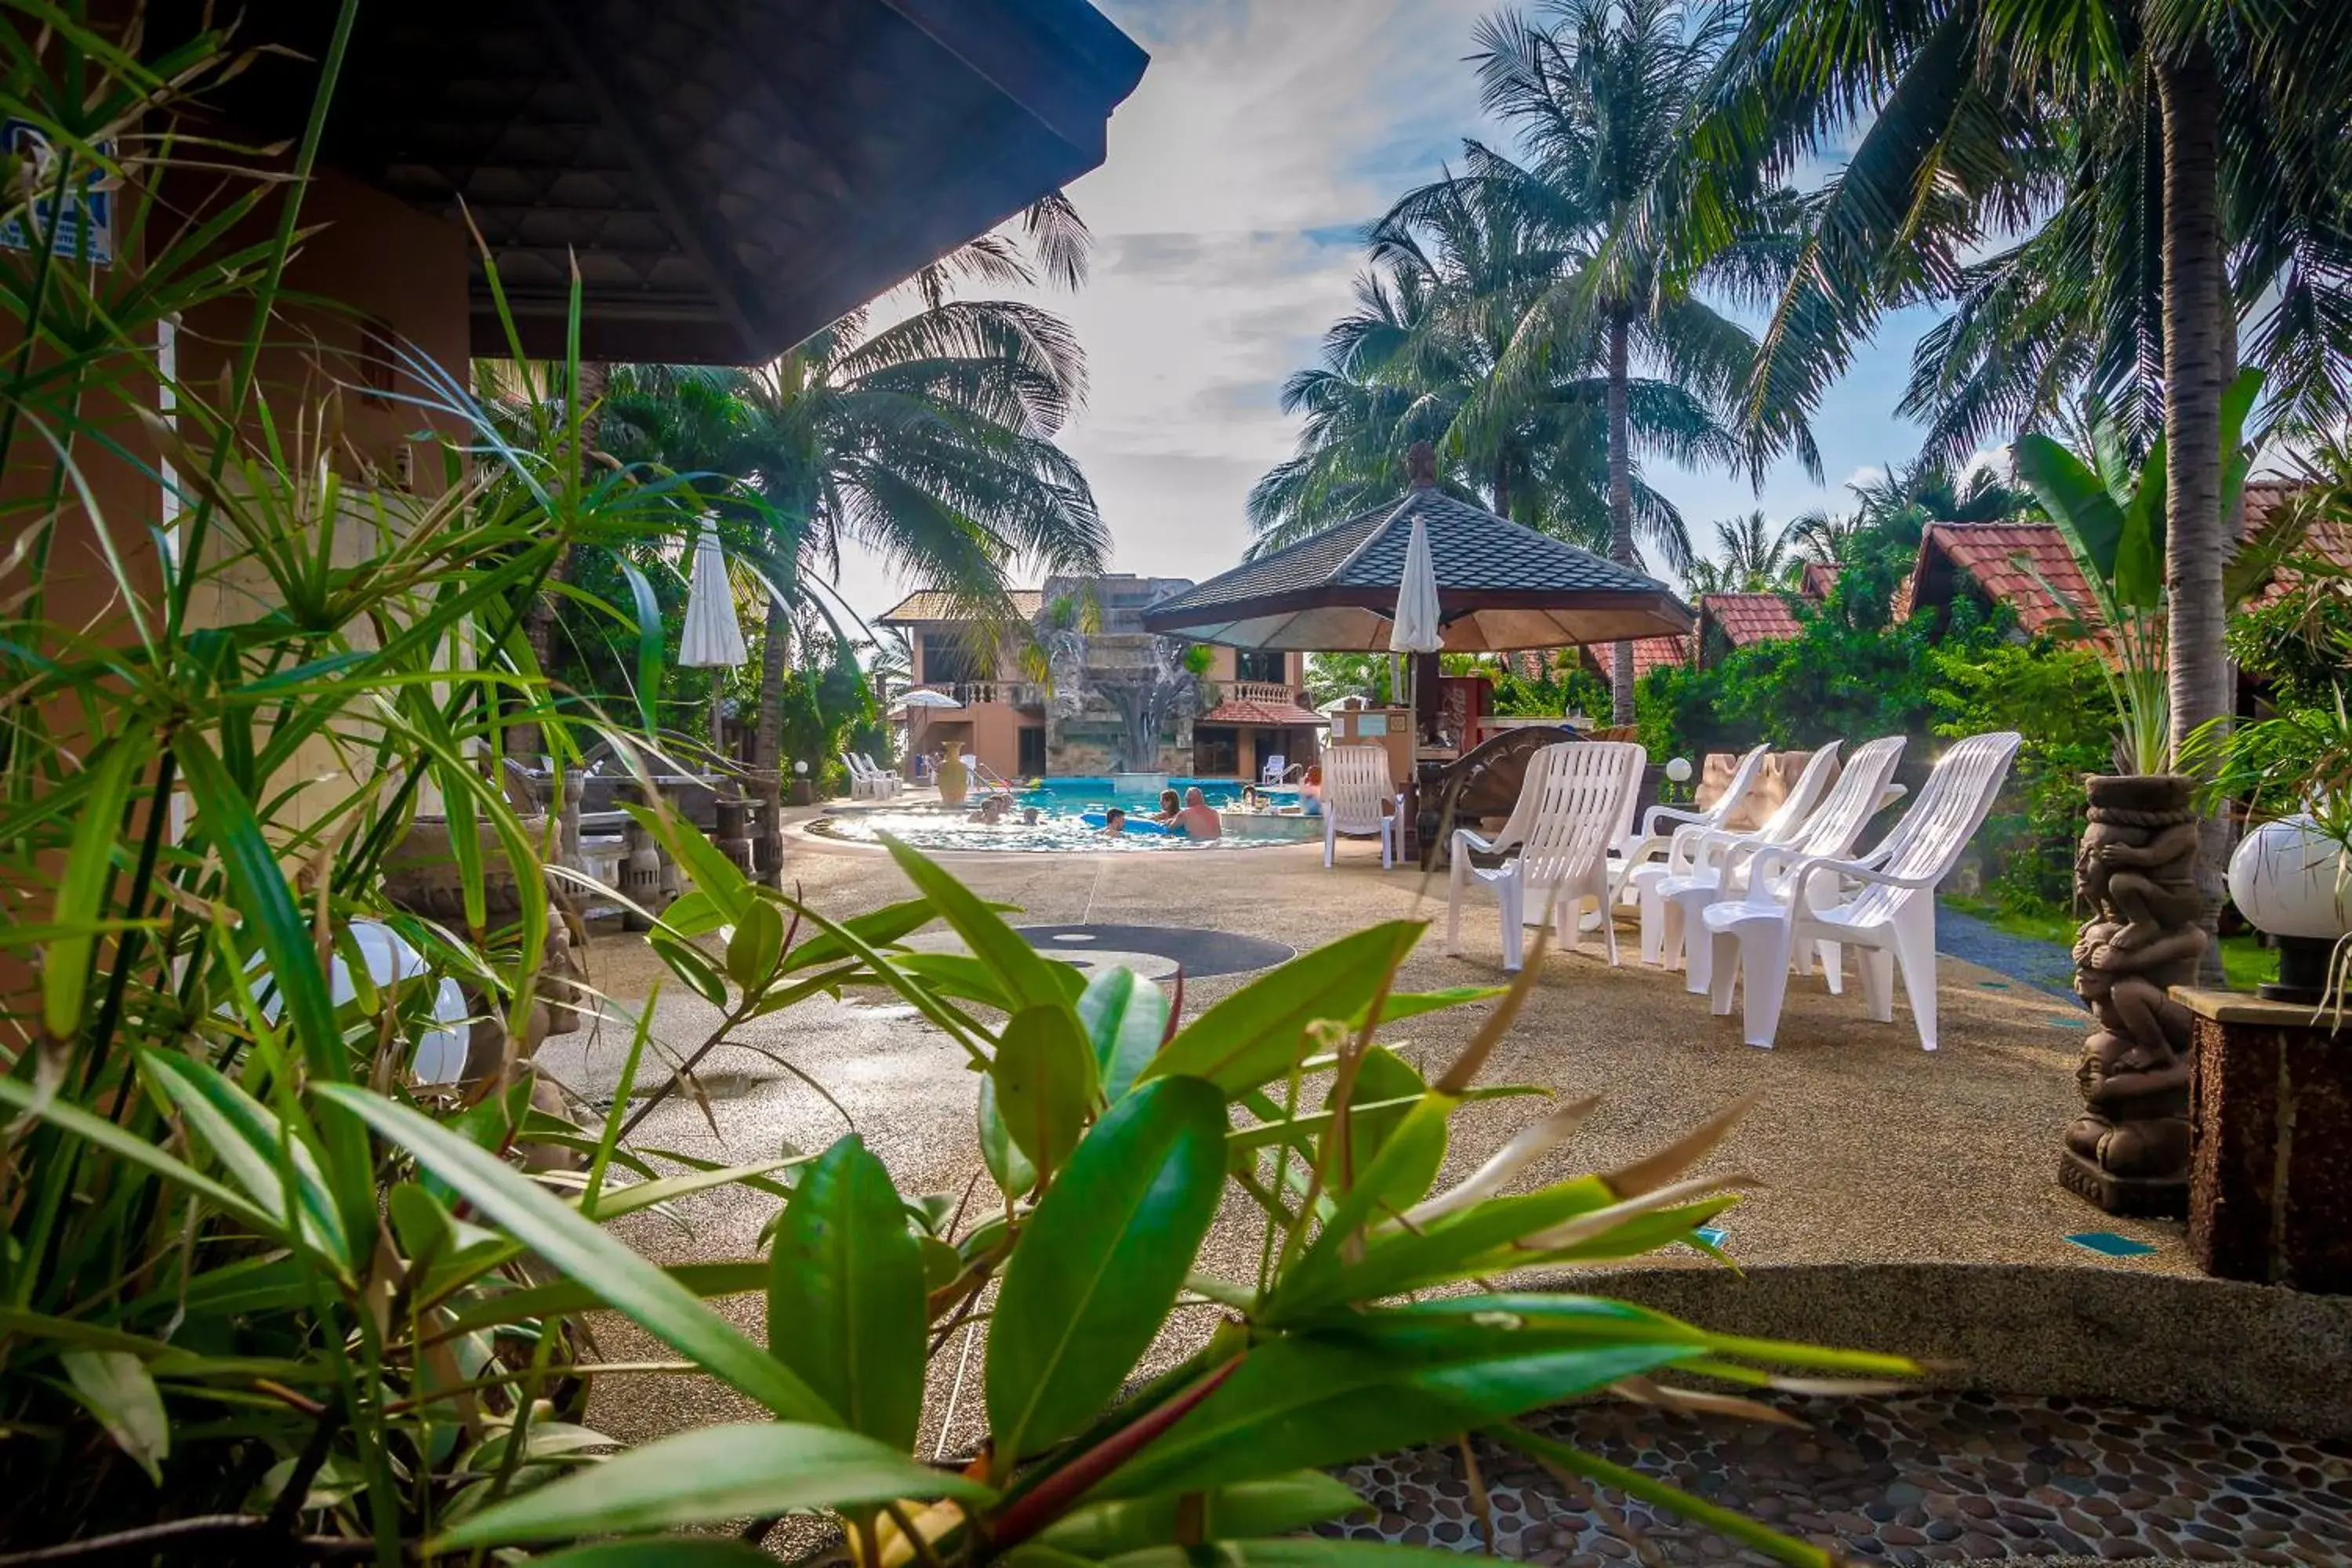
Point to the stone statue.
(2128, 1150)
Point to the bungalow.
(1217, 712)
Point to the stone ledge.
(2250, 1353)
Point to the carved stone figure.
(2128, 1150)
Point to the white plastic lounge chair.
(1655, 840)
(889, 776)
(1721, 864)
(1794, 900)
(862, 785)
(1356, 787)
(1276, 766)
(1693, 850)
(1569, 805)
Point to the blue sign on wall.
(85, 227)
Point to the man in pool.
(992, 810)
(1198, 819)
(1114, 822)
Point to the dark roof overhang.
(731, 174)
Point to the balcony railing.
(1271, 693)
(981, 693)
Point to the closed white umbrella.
(1416, 630)
(713, 638)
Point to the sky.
(1228, 215)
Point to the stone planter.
(2128, 1150)
(2290, 880)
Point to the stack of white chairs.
(1691, 848)
(867, 783)
(888, 775)
(1882, 903)
(1556, 845)
(1360, 800)
(1632, 850)
(1713, 866)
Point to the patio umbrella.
(1501, 587)
(713, 639)
(1415, 629)
(922, 697)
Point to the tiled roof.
(928, 605)
(1987, 555)
(1746, 619)
(1657, 653)
(1473, 550)
(1819, 579)
(1239, 712)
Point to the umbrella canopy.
(1502, 587)
(713, 639)
(922, 697)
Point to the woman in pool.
(1169, 810)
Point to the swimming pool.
(1070, 817)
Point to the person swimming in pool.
(1169, 810)
(1198, 819)
(1114, 822)
(1028, 816)
(992, 810)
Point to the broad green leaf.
(615, 1202)
(709, 1475)
(1256, 1033)
(1405, 1005)
(2140, 549)
(2087, 517)
(691, 965)
(249, 1141)
(753, 952)
(1101, 1261)
(660, 1552)
(1045, 1080)
(650, 634)
(1252, 1508)
(1008, 1167)
(846, 1299)
(559, 1297)
(1126, 1018)
(81, 886)
(876, 928)
(699, 858)
(1394, 1180)
(628, 1282)
(1385, 1380)
(1384, 1077)
(451, 1249)
(113, 1386)
(1028, 978)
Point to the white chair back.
(1797, 809)
(1356, 784)
(1851, 803)
(1743, 779)
(1580, 789)
(1927, 842)
(1276, 766)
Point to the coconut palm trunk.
(2196, 369)
(1621, 506)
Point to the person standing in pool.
(1114, 822)
(1198, 819)
(1169, 808)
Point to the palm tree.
(1452, 274)
(929, 441)
(1604, 97)
(1754, 558)
(1980, 108)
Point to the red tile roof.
(930, 604)
(1987, 555)
(1656, 653)
(1283, 715)
(1746, 619)
(1819, 579)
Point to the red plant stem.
(1057, 1492)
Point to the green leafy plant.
(2112, 517)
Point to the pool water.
(1070, 816)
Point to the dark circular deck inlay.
(1155, 952)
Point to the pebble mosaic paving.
(1927, 1478)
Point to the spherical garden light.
(1678, 769)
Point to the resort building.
(1077, 688)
